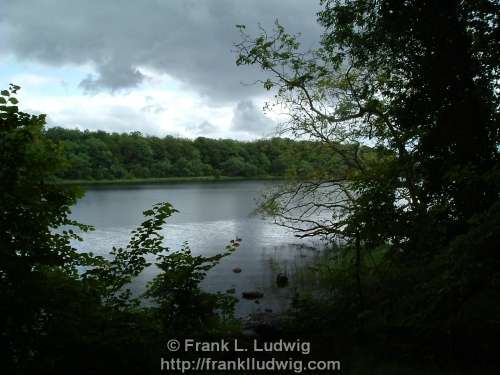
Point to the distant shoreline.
(160, 180)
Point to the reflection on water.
(211, 214)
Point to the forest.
(99, 155)
(400, 106)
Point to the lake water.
(211, 214)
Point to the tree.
(66, 311)
(417, 81)
(370, 83)
(33, 209)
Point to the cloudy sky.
(156, 66)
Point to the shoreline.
(163, 180)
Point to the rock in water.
(252, 295)
(281, 280)
(237, 270)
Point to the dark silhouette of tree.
(418, 82)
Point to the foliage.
(104, 156)
(418, 82)
(183, 307)
(32, 252)
(66, 311)
(127, 263)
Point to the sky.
(161, 67)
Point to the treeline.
(96, 155)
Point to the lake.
(210, 215)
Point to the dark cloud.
(113, 76)
(186, 39)
(248, 118)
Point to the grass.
(161, 180)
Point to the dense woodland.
(411, 288)
(99, 155)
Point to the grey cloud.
(113, 76)
(152, 106)
(248, 118)
(186, 39)
(205, 129)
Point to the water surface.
(210, 215)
